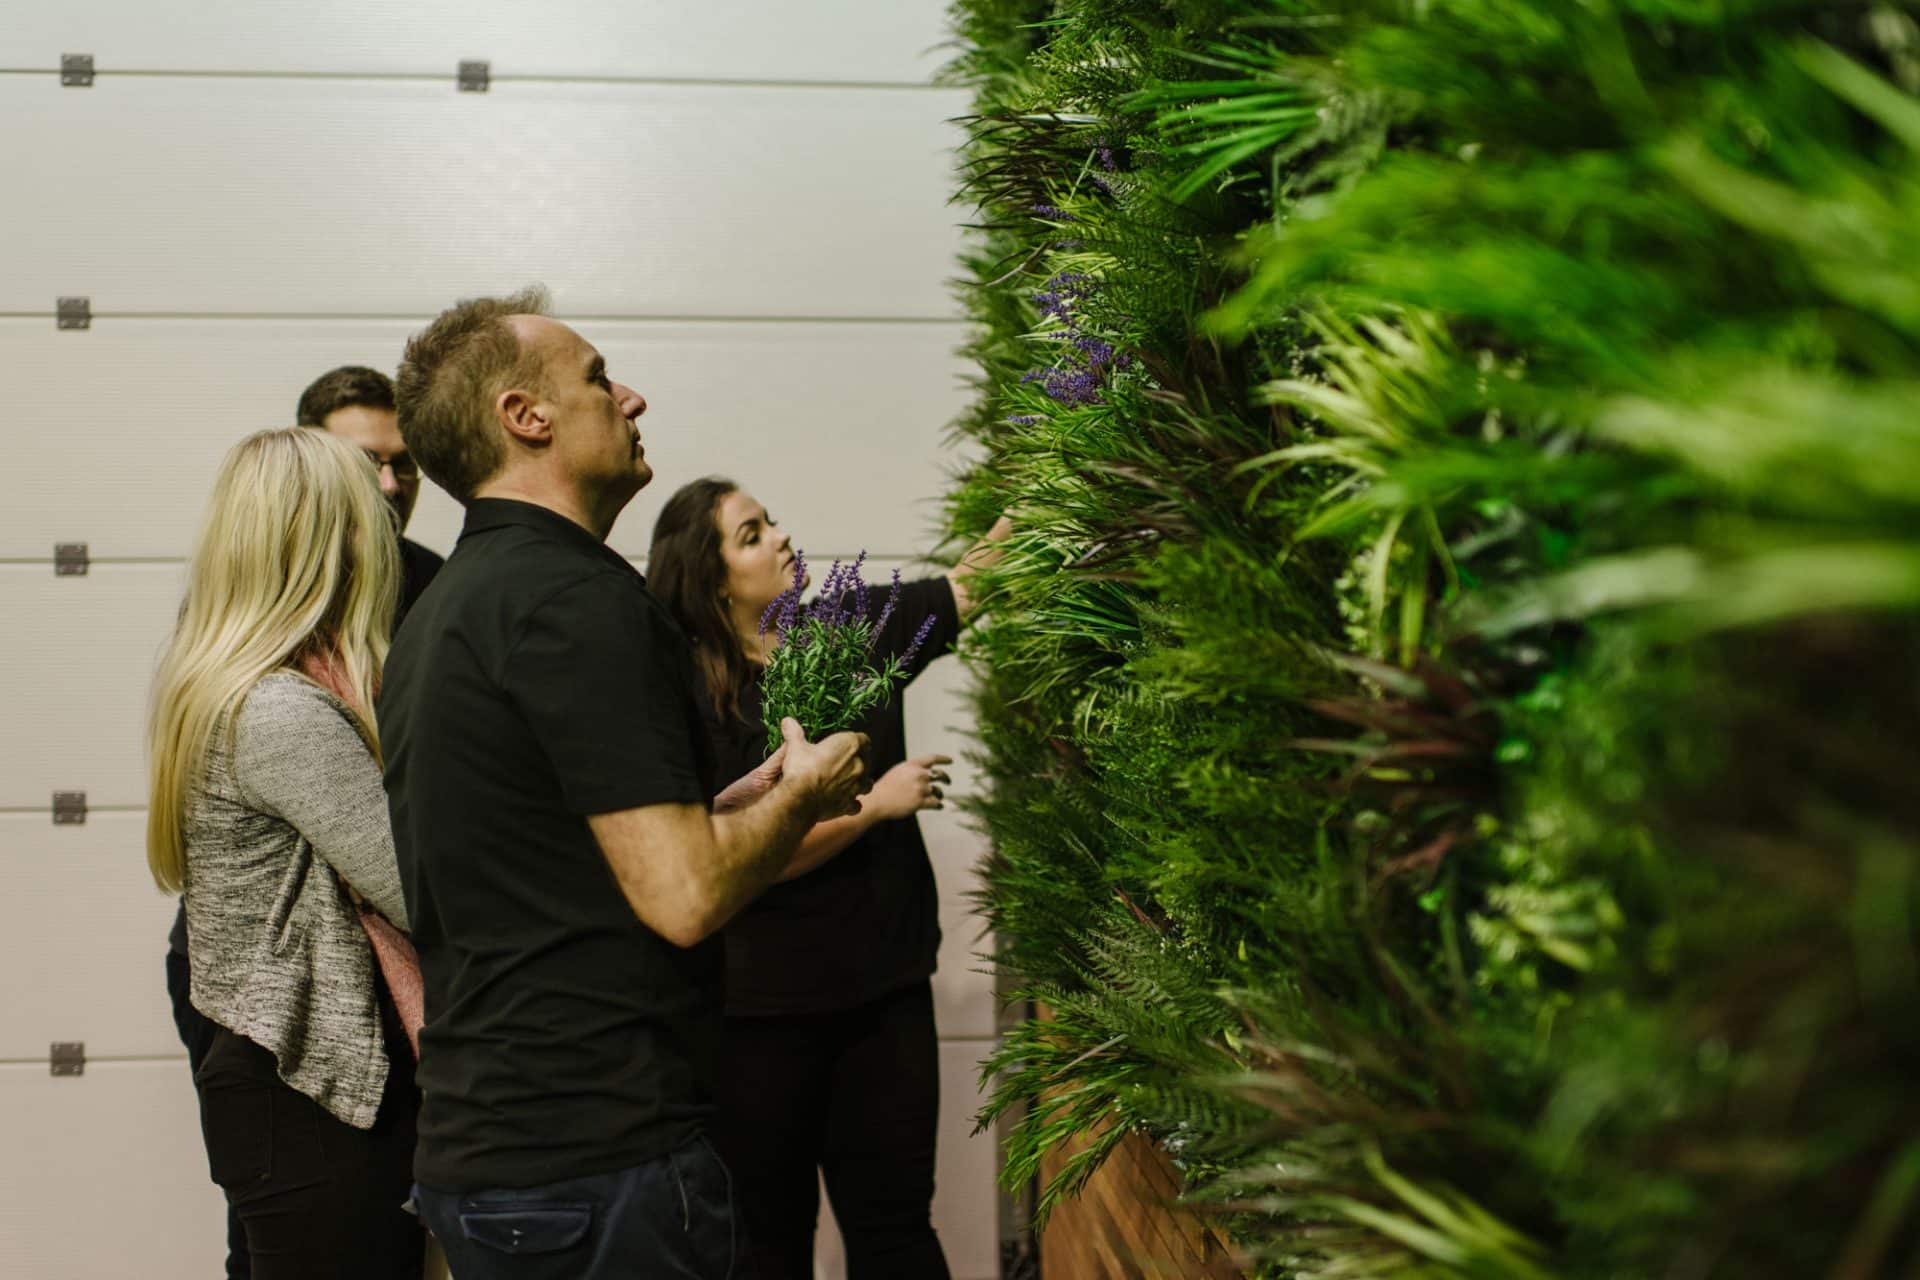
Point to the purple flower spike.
(1074, 387)
(831, 604)
(1097, 351)
(790, 608)
(860, 586)
(919, 638)
(820, 608)
(1061, 291)
(1052, 213)
(893, 598)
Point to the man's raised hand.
(832, 771)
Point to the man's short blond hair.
(451, 375)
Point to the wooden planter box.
(1125, 1225)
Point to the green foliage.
(1450, 699)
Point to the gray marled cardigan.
(288, 809)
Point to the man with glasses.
(356, 404)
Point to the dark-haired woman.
(831, 1065)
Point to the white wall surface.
(744, 205)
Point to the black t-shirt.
(417, 567)
(536, 683)
(867, 922)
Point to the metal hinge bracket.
(69, 808)
(76, 70)
(70, 560)
(476, 76)
(73, 313)
(68, 1058)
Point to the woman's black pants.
(318, 1198)
(854, 1096)
(196, 1033)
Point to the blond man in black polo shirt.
(564, 868)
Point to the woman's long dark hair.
(689, 576)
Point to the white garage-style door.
(744, 205)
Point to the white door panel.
(79, 657)
(224, 196)
(937, 716)
(830, 40)
(104, 1176)
(87, 930)
(837, 427)
(965, 1208)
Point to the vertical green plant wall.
(1452, 702)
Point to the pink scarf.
(392, 949)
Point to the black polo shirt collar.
(484, 514)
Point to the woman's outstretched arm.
(979, 556)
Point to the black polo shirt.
(867, 922)
(538, 682)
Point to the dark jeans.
(855, 1095)
(670, 1217)
(318, 1198)
(196, 1033)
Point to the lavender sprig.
(790, 611)
(823, 672)
(919, 638)
(1086, 362)
(893, 598)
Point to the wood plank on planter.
(1124, 1222)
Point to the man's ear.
(524, 417)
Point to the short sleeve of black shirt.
(594, 673)
(920, 600)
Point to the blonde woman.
(266, 810)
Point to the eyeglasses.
(404, 467)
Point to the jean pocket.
(526, 1228)
(705, 1186)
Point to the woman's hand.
(743, 792)
(907, 788)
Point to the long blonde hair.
(297, 559)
